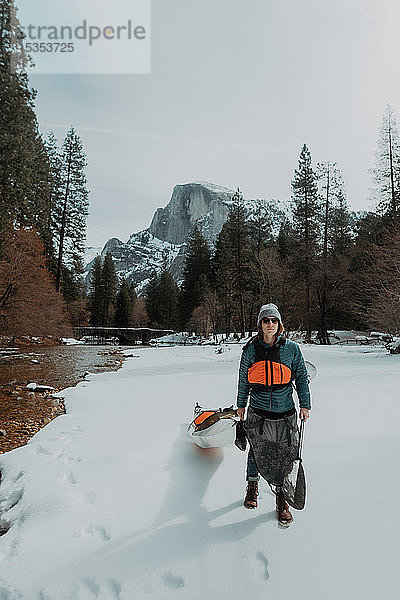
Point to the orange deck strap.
(203, 416)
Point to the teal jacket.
(269, 398)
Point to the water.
(58, 366)
(23, 412)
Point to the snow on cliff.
(203, 204)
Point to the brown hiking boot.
(250, 500)
(283, 513)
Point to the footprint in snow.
(171, 581)
(72, 459)
(43, 596)
(17, 477)
(86, 589)
(264, 560)
(12, 500)
(69, 477)
(94, 531)
(64, 437)
(111, 590)
(5, 594)
(42, 450)
(4, 528)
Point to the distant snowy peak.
(223, 193)
(203, 204)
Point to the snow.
(90, 253)
(71, 341)
(217, 189)
(396, 342)
(111, 501)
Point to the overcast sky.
(236, 88)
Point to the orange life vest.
(268, 370)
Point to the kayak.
(311, 369)
(213, 428)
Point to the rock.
(203, 204)
(27, 340)
(39, 388)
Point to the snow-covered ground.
(110, 501)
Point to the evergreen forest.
(325, 266)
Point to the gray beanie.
(269, 310)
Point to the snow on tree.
(71, 206)
(386, 174)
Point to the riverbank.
(23, 412)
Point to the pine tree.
(109, 290)
(123, 306)
(132, 294)
(24, 190)
(262, 221)
(72, 207)
(336, 241)
(168, 294)
(152, 304)
(306, 224)
(222, 278)
(386, 174)
(55, 187)
(326, 171)
(231, 267)
(197, 264)
(96, 292)
(162, 300)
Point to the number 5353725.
(49, 47)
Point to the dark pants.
(252, 473)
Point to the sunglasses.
(270, 320)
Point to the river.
(24, 412)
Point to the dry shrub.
(29, 302)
